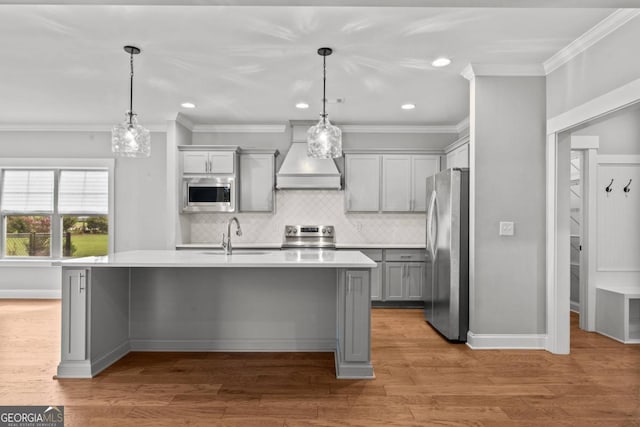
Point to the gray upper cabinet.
(362, 183)
(257, 180)
(404, 180)
(200, 161)
(396, 183)
(390, 182)
(422, 167)
(459, 157)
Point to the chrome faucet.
(226, 245)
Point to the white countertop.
(277, 246)
(287, 258)
(381, 245)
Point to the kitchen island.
(291, 300)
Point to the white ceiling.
(64, 64)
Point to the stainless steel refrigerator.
(447, 281)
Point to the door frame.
(588, 146)
(557, 230)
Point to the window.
(27, 202)
(54, 212)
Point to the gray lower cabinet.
(74, 314)
(404, 281)
(399, 275)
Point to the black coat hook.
(608, 189)
(627, 187)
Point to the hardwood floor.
(421, 380)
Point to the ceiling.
(64, 64)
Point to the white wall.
(140, 198)
(507, 165)
(607, 65)
(618, 132)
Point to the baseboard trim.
(574, 306)
(30, 294)
(506, 341)
(233, 345)
(110, 358)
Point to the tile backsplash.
(312, 207)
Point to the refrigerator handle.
(430, 241)
(434, 235)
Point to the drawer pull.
(405, 256)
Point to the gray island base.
(207, 301)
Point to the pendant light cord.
(324, 89)
(131, 92)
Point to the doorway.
(558, 205)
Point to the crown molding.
(64, 127)
(397, 129)
(502, 70)
(184, 121)
(239, 128)
(456, 144)
(462, 125)
(602, 29)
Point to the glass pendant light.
(129, 139)
(324, 141)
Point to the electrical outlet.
(507, 228)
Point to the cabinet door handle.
(82, 283)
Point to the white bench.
(618, 312)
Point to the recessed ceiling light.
(441, 62)
(302, 105)
(188, 105)
(408, 106)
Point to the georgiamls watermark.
(31, 416)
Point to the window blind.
(83, 192)
(27, 191)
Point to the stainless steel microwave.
(208, 194)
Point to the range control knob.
(329, 230)
(324, 231)
(289, 230)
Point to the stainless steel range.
(309, 237)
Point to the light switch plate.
(507, 228)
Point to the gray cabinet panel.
(376, 283)
(394, 278)
(357, 316)
(215, 162)
(362, 183)
(257, 173)
(405, 255)
(74, 314)
(422, 166)
(396, 183)
(414, 281)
